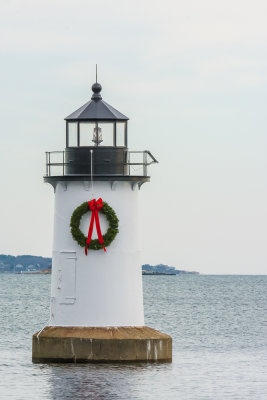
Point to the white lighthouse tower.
(96, 286)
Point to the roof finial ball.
(96, 88)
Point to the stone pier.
(100, 344)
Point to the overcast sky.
(192, 77)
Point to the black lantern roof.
(96, 109)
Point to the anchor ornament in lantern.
(96, 284)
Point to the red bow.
(95, 206)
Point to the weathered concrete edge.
(101, 351)
(122, 332)
(65, 349)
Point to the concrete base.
(89, 345)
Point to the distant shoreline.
(158, 273)
(35, 265)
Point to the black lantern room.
(96, 124)
(97, 146)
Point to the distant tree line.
(14, 264)
(164, 269)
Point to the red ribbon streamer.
(95, 206)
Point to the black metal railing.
(135, 164)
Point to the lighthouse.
(96, 307)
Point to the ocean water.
(219, 330)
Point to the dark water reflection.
(218, 325)
(101, 381)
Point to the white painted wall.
(100, 289)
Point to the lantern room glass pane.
(120, 133)
(105, 134)
(87, 133)
(72, 134)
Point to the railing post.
(63, 154)
(129, 162)
(145, 163)
(46, 166)
(49, 169)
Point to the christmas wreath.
(95, 206)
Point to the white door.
(66, 282)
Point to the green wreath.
(108, 237)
